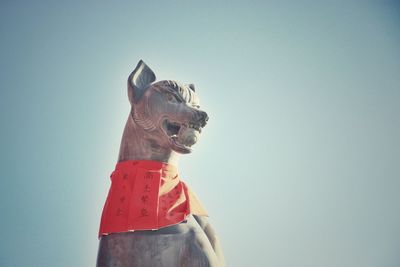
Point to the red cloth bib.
(146, 195)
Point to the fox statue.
(150, 216)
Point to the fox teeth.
(194, 126)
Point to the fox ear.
(140, 78)
(191, 86)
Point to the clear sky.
(298, 166)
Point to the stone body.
(165, 120)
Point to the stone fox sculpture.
(150, 217)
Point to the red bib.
(146, 195)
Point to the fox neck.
(137, 144)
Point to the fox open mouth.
(181, 135)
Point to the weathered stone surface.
(165, 121)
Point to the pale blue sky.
(298, 166)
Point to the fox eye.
(172, 98)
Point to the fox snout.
(202, 118)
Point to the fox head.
(169, 112)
